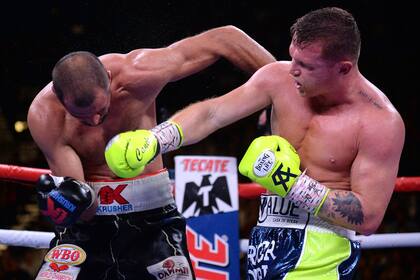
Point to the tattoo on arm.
(348, 206)
(344, 204)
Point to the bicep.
(64, 161)
(239, 103)
(202, 118)
(61, 158)
(375, 169)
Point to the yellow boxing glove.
(129, 152)
(272, 162)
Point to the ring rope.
(246, 190)
(37, 239)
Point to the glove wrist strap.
(57, 180)
(308, 194)
(169, 135)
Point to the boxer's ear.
(344, 67)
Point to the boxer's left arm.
(373, 175)
(153, 68)
(195, 53)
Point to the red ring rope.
(246, 190)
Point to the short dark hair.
(76, 74)
(334, 27)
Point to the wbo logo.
(205, 198)
(66, 254)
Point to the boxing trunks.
(137, 233)
(289, 243)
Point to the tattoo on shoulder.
(370, 99)
(349, 206)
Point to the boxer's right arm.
(46, 129)
(127, 153)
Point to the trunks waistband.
(279, 212)
(137, 194)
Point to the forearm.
(345, 208)
(196, 122)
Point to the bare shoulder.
(46, 116)
(152, 59)
(140, 68)
(383, 128)
(272, 76)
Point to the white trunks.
(138, 194)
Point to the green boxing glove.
(128, 153)
(272, 162)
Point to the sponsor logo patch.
(175, 267)
(264, 163)
(67, 254)
(60, 263)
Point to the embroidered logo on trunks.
(67, 254)
(175, 267)
(112, 201)
(276, 211)
(259, 256)
(61, 263)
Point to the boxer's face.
(311, 73)
(95, 113)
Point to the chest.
(89, 141)
(326, 141)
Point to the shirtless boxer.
(348, 139)
(137, 232)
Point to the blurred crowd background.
(36, 34)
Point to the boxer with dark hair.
(108, 228)
(331, 173)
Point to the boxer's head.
(324, 49)
(82, 84)
(335, 28)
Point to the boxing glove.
(272, 162)
(128, 153)
(63, 199)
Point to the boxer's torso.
(132, 107)
(327, 139)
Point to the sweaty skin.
(74, 144)
(136, 80)
(347, 133)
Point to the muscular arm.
(198, 52)
(202, 118)
(47, 131)
(373, 176)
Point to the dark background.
(35, 35)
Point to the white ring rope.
(374, 241)
(26, 238)
(39, 239)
